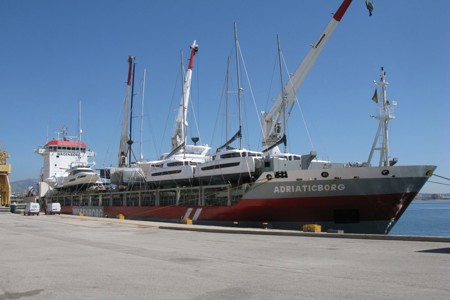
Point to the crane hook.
(369, 5)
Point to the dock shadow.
(438, 250)
(8, 295)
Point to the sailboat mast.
(227, 98)
(142, 115)
(236, 46)
(238, 134)
(130, 137)
(79, 130)
(79, 121)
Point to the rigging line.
(195, 120)
(191, 103)
(246, 127)
(169, 111)
(441, 177)
(134, 155)
(218, 113)
(305, 124)
(441, 183)
(298, 104)
(225, 96)
(151, 137)
(193, 112)
(251, 90)
(269, 99)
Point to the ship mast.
(227, 98)
(381, 141)
(79, 130)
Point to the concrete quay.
(72, 257)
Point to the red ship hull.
(356, 214)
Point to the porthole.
(325, 174)
(385, 172)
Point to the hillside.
(21, 185)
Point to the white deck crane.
(125, 139)
(179, 135)
(273, 132)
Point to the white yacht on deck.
(80, 175)
(177, 168)
(233, 165)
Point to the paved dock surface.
(71, 257)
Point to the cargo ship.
(282, 190)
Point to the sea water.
(425, 218)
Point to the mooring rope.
(441, 183)
(446, 178)
(440, 176)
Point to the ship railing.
(212, 195)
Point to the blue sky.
(57, 53)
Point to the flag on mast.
(375, 96)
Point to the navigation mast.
(384, 116)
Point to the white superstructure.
(59, 155)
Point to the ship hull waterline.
(359, 215)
